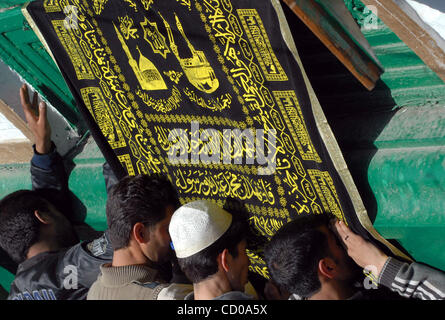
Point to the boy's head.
(208, 239)
(26, 218)
(139, 209)
(304, 251)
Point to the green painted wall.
(22, 51)
(393, 138)
(412, 83)
(4, 4)
(407, 171)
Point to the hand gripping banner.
(211, 93)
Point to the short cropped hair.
(294, 252)
(204, 264)
(19, 227)
(141, 198)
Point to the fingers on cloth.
(344, 229)
(341, 229)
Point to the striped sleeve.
(413, 280)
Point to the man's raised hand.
(363, 252)
(37, 120)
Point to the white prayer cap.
(197, 225)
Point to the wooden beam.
(403, 20)
(16, 120)
(337, 40)
(15, 152)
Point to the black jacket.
(65, 274)
(61, 275)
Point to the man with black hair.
(313, 258)
(37, 235)
(210, 245)
(139, 209)
(30, 224)
(305, 258)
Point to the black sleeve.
(50, 180)
(109, 176)
(48, 171)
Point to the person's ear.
(42, 217)
(327, 267)
(223, 259)
(140, 233)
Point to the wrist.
(380, 263)
(43, 147)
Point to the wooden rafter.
(402, 19)
(16, 120)
(15, 151)
(337, 40)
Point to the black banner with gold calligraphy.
(207, 92)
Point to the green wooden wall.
(407, 171)
(393, 138)
(23, 52)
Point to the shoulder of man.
(175, 291)
(85, 259)
(234, 295)
(166, 291)
(101, 247)
(65, 274)
(52, 283)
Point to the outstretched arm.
(47, 169)
(408, 279)
(37, 120)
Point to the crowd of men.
(156, 249)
